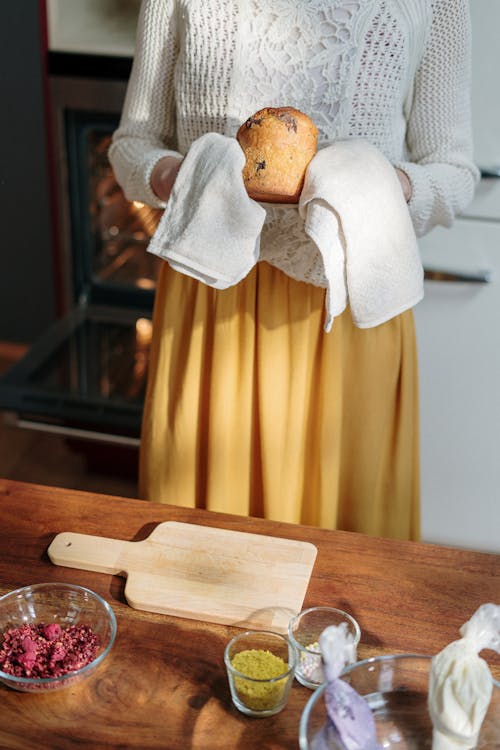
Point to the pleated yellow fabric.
(252, 409)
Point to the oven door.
(85, 377)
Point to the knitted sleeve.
(439, 134)
(147, 126)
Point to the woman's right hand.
(163, 176)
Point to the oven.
(86, 375)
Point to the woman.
(251, 407)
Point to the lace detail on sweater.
(298, 54)
(308, 66)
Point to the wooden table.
(164, 683)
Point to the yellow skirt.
(252, 409)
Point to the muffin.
(279, 143)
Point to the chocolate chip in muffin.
(260, 165)
(253, 121)
(289, 120)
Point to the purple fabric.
(351, 716)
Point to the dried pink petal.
(40, 651)
(52, 632)
(28, 644)
(58, 652)
(27, 660)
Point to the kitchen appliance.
(86, 376)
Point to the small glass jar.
(260, 668)
(304, 631)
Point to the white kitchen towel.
(353, 208)
(210, 229)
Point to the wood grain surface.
(164, 683)
(202, 573)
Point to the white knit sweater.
(396, 72)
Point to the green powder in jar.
(260, 665)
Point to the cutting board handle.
(87, 552)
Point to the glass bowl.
(63, 604)
(395, 687)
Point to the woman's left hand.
(163, 176)
(405, 184)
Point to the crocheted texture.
(395, 72)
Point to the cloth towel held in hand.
(352, 206)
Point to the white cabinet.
(99, 27)
(486, 105)
(458, 328)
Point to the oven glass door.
(87, 373)
(109, 235)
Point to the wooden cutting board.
(201, 572)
